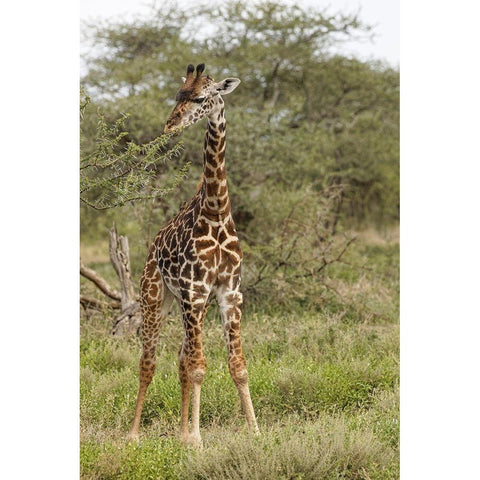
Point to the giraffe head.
(197, 98)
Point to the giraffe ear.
(227, 86)
(184, 79)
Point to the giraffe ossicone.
(194, 259)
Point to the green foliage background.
(312, 163)
(303, 121)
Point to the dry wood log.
(130, 319)
(100, 282)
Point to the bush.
(325, 449)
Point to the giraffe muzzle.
(173, 129)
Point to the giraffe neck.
(215, 201)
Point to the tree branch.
(90, 302)
(100, 282)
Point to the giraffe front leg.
(196, 376)
(185, 388)
(192, 368)
(230, 309)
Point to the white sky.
(383, 14)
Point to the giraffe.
(195, 258)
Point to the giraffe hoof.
(194, 441)
(133, 438)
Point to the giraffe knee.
(238, 371)
(191, 364)
(197, 375)
(240, 377)
(237, 299)
(230, 302)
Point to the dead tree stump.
(130, 319)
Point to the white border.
(39, 240)
(439, 240)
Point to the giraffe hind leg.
(230, 310)
(154, 310)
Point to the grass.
(324, 385)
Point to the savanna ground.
(324, 383)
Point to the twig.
(90, 302)
(100, 282)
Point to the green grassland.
(324, 381)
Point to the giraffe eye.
(199, 100)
